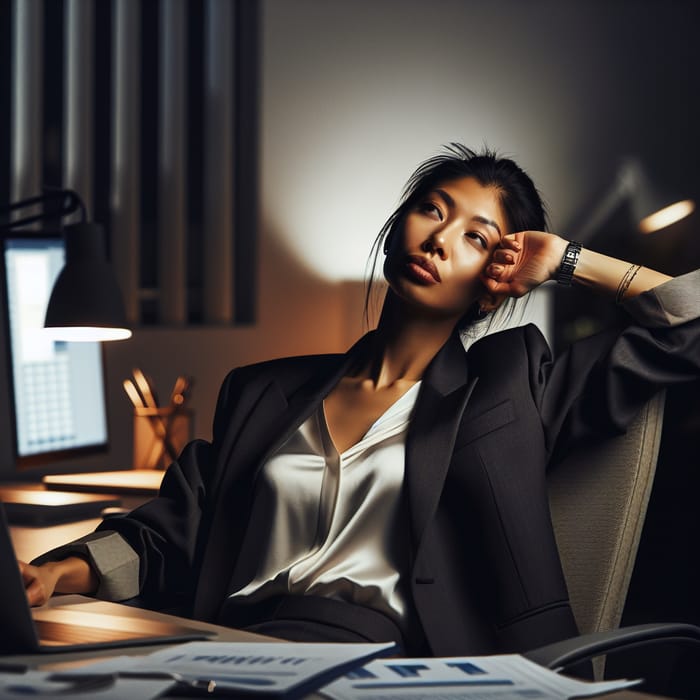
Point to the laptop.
(76, 627)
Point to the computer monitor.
(57, 389)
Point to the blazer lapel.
(443, 396)
(269, 423)
(305, 400)
(279, 410)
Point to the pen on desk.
(133, 393)
(145, 389)
(179, 392)
(141, 396)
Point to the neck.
(404, 345)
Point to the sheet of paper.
(287, 669)
(37, 684)
(504, 677)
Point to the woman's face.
(447, 240)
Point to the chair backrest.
(598, 498)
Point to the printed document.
(501, 677)
(278, 669)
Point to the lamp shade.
(649, 206)
(86, 304)
(652, 208)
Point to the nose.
(435, 243)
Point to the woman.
(398, 491)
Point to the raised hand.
(522, 262)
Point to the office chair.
(598, 499)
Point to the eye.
(432, 210)
(479, 238)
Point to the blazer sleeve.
(113, 560)
(150, 552)
(599, 383)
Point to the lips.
(422, 269)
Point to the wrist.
(72, 575)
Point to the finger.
(36, 594)
(500, 255)
(495, 286)
(498, 272)
(27, 571)
(33, 587)
(513, 241)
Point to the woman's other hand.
(71, 575)
(522, 262)
(39, 582)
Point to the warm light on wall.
(651, 208)
(667, 216)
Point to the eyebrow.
(481, 219)
(488, 222)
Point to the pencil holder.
(159, 435)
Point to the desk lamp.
(651, 208)
(85, 303)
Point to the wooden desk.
(66, 661)
(135, 481)
(29, 542)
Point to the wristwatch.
(568, 263)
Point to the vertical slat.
(26, 109)
(172, 190)
(218, 162)
(25, 163)
(125, 166)
(78, 99)
(247, 59)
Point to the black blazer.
(485, 574)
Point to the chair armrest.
(588, 646)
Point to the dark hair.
(521, 202)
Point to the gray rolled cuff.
(670, 304)
(112, 558)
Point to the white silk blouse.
(334, 523)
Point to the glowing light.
(86, 334)
(666, 216)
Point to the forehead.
(473, 199)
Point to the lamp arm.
(622, 187)
(70, 203)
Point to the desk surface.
(141, 481)
(66, 661)
(29, 542)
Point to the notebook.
(68, 627)
(143, 481)
(35, 507)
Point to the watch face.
(568, 263)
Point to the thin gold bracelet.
(625, 282)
